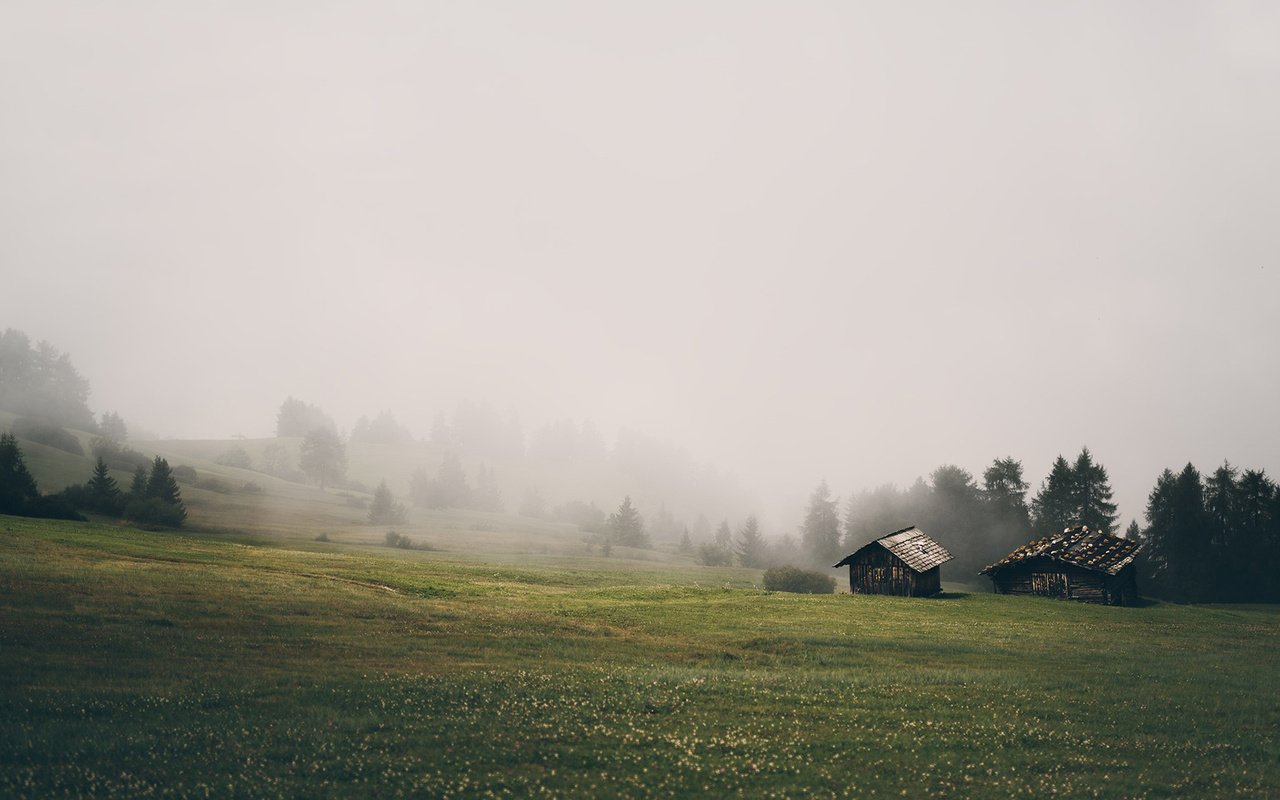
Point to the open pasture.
(175, 664)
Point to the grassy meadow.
(141, 663)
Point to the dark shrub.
(51, 435)
(799, 581)
(117, 456)
(184, 473)
(51, 506)
(251, 488)
(154, 511)
(213, 485)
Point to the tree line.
(978, 522)
(153, 497)
(1214, 539)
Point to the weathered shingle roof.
(912, 545)
(1078, 546)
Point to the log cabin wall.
(880, 572)
(1049, 578)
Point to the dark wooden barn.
(1077, 564)
(906, 562)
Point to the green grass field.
(261, 664)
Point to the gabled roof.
(1078, 546)
(912, 545)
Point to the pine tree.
(17, 487)
(385, 510)
(820, 533)
(1053, 508)
(626, 526)
(1092, 495)
(750, 545)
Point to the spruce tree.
(138, 487)
(1053, 508)
(724, 535)
(164, 487)
(104, 494)
(750, 545)
(820, 533)
(1092, 494)
(626, 526)
(17, 487)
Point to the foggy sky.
(805, 240)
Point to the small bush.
(323, 537)
(235, 456)
(251, 488)
(799, 581)
(51, 435)
(213, 485)
(184, 473)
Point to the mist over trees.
(296, 418)
(41, 383)
(979, 524)
(323, 456)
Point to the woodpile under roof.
(1078, 546)
(913, 546)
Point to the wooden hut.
(906, 562)
(1077, 564)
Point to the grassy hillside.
(182, 664)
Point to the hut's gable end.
(905, 562)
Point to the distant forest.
(1206, 539)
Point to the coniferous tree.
(750, 544)
(724, 535)
(323, 457)
(1054, 507)
(488, 497)
(164, 487)
(1004, 498)
(1092, 495)
(17, 487)
(138, 487)
(686, 544)
(112, 428)
(820, 533)
(626, 526)
(384, 509)
(452, 490)
(104, 493)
